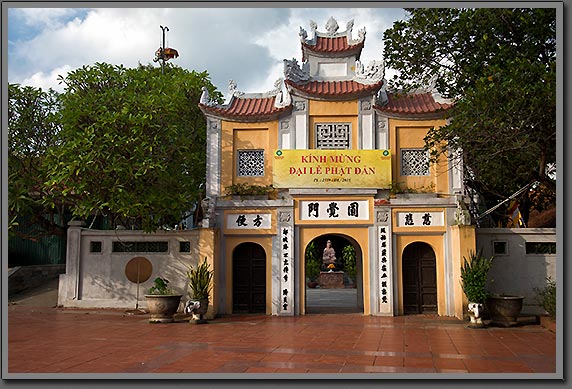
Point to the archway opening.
(419, 279)
(249, 278)
(337, 289)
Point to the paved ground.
(43, 339)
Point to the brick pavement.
(53, 340)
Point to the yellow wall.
(462, 243)
(410, 134)
(207, 244)
(231, 243)
(332, 112)
(332, 108)
(249, 136)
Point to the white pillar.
(69, 282)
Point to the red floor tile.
(66, 341)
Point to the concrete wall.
(98, 279)
(517, 272)
(21, 278)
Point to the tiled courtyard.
(51, 340)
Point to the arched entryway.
(249, 278)
(419, 279)
(343, 297)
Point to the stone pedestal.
(331, 280)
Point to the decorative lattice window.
(414, 162)
(185, 247)
(250, 163)
(333, 136)
(140, 247)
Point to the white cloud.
(47, 80)
(47, 17)
(247, 45)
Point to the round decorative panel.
(138, 269)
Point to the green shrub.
(474, 274)
(200, 281)
(312, 261)
(248, 189)
(349, 260)
(160, 287)
(547, 297)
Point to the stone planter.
(504, 310)
(162, 307)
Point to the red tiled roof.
(332, 45)
(241, 107)
(421, 103)
(347, 88)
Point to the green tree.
(132, 144)
(33, 126)
(499, 67)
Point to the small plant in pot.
(200, 282)
(474, 272)
(162, 302)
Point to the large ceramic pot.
(162, 307)
(504, 310)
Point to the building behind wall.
(346, 159)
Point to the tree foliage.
(132, 145)
(33, 126)
(499, 67)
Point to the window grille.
(333, 136)
(185, 247)
(540, 248)
(500, 247)
(140, 247)
(251, 163)
(414, 162)
(95, 247)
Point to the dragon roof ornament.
(232, 89)
(372, 73)
(283, 98)
(206, 98)
(293, 71)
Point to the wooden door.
(249, 279)
(419, 279)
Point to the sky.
(247, 45)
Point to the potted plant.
(546, 297)
(200, 282)
(474, 272)
(162, 302)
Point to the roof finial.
(332, 26)
(350, 26)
